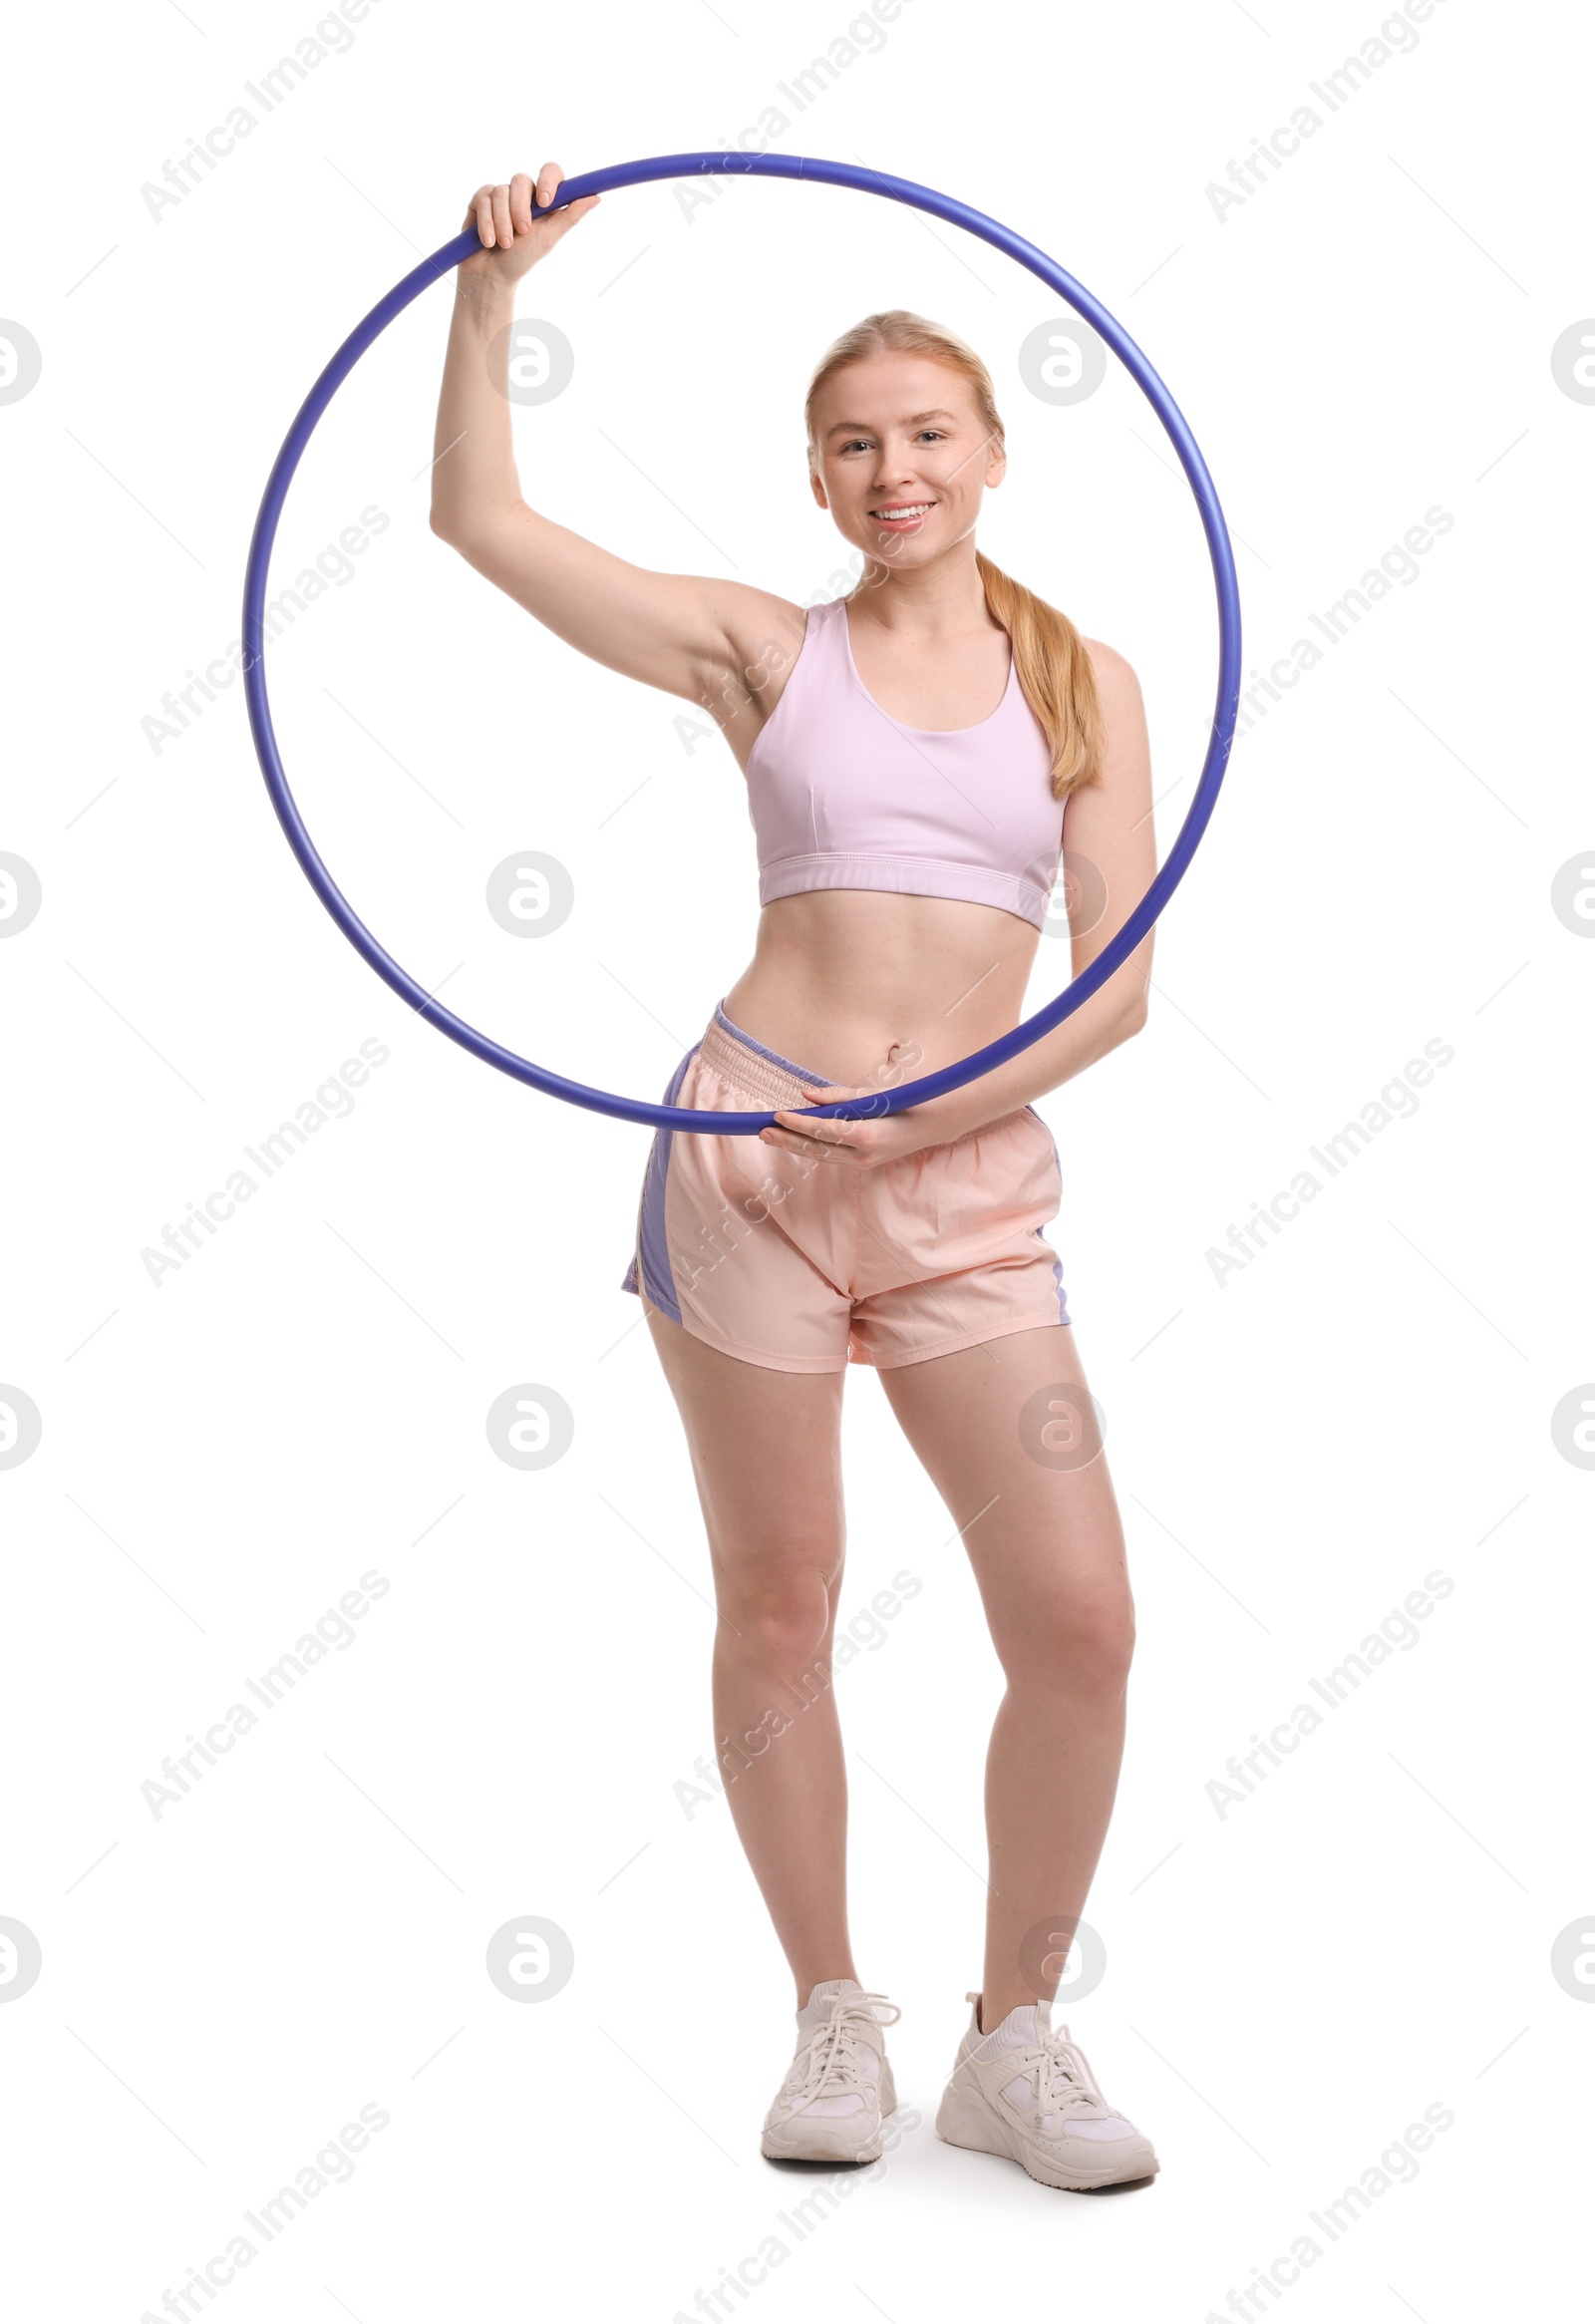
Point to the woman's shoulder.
(1117, 682)
(770, 648)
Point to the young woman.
(916, 757)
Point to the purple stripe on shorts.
(658, 1283)
(1058, 1278)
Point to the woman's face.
(902, 458)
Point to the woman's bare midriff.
(872, 988)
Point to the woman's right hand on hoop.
(513, 239)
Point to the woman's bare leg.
(1022, 1470)
(766, 1453)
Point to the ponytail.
(1055, 671)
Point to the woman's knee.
(1082, 1642)
(779, 1609)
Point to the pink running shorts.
(808, 1266)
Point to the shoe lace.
(833, 2055)
(1061, 2078)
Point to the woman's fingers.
(519, 219)
(863, 1139)
(812, 1148)
(500, 211)
(827, 1140)
(506, 214)
(835, 1094)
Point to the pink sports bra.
(844, 796)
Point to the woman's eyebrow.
(861, 427)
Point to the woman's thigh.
(1008, 1434)
(765, 1450)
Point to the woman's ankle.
(989, 2013)
(847, 1974)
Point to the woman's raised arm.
(677, 631)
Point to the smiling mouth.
(900, 516)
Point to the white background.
(226, 1453)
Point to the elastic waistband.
(748, 1065)
(1024, 893)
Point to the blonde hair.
(1050, 656)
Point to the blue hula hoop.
(981, 1061)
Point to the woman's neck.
(940, 600)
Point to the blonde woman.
(916, 757)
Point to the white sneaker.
(1025, 2091)
(831, 2106)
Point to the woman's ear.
(817, 488)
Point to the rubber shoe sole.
(965, 2120)
(829, 2137)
